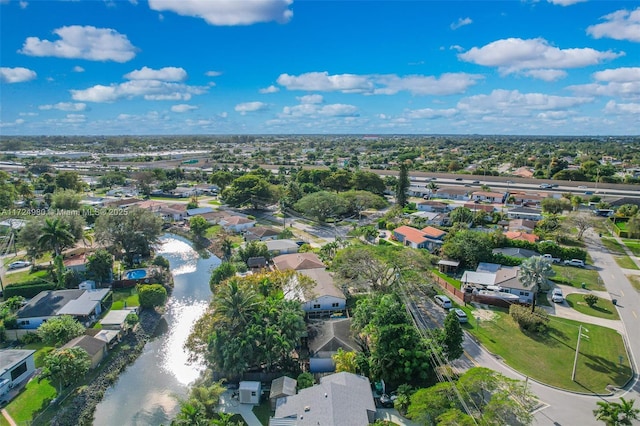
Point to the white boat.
(497, 292)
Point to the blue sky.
(547, 67)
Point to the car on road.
(544, 186)
(551, 258)
(462, 316)
(582, 187)
(575, 262)
(458, 178)
(557, 296)
(476, 181)
(443, 301)
(19, 264)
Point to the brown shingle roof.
(298, 261)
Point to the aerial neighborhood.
(337, 295)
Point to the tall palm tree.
(235, 304)
(534, 273)
(227, 248)
(56, 235)
(617, 413)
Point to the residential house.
(453, 193)
(323, 298)
(325, 339)
(121, 203)
(96, 348)
(525, 225)
(430, 218)
(502, 278)
(281, 387)
(489, 208)
(488, 196)
(110, 337)
(429, 238)
(340, 399)
(122, 191)
(261, 233)
(418, 191)
(526, 199)
(432, 206)
(76, 262)
(16, 365)
(237, 223)
(199, 211)
(84, 305)
(257, 263)
(184, 192)
(522, 236)
(525, 213)
(520, 253)
(524, 172)
(277, 247)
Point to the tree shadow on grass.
(551, 337)
(618, 373)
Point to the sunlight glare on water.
(180, 250)
(174, 357)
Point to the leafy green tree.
(59, 330)
(554, 205)
(208, 396)
(100, 265)
(338, 181)
(221, 178)
(452, 337)
(581, 221)
(193, 203)
(66, 199)
(161, 261)
(367, 181)
(249, 190)
(236, 304)
(591, 300)
(152, 295)
(461, 215)
(455, 417)
(8, 193)
(358, 201)
(55, 235)
(321, 205)
(198, 226)
(345, 361)
(469, 247)
(534, 274)
(402, 185)
(253, 249)
(221, 273)
(633, 226)
(65, 367)
(132, 233)
(191, 414)
(621, 413)
(69, 180)
(305, 380)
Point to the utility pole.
(575, 360)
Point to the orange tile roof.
(419, 236)
(518, 235)
(432, 232)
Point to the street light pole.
(575, 360)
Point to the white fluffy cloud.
(183, 108)
(270, 89)
(615, 108)
(164, 84)
(65, 106)
(461, 22)
(516, 54)
(228, 12)
(619, 25)
(16, 75)
(546, 74)
(83, 42)
(513, 102)
(311, 99)
(429, 113)
(213, 73)
(246, 107)
(78, 68)
(384, 84)
(615, 82)
(162, 74)
(565, 2)
(316, 110)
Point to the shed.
(280, 387)
(448, 266)
(250, 392)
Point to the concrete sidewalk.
(232, 405)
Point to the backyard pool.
(136, 274)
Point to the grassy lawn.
(612, 245)
(263, 412)
(17, 277)
(128, 295)
(213, 231)
(214, 203)
(35, 395)
(635, 281)
(174, 199)
(452, 281)
(548, 357)
(603, 309)
(634, 246)
(572, 276)
(625, 262)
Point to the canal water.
(147, 392)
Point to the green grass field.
(635, 281)
(129, 295)
(603, 309)
(612, 245)
(625, 262)
(634, 246)
(576, 276)
(548, 357)
(24, 275)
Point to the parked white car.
(557, 296)
(574, 262)
(443, 301)
(19, 264)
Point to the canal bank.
(143, 385)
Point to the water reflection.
(146, 392)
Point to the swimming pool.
(136, 274)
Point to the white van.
(443, 301)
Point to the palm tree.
(617, 413)
(56, 235)
(191, 414)
(433, 188)
(534, 273)
(235, 304)
(208, 397)
(227, 247)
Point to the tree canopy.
(59, 330)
